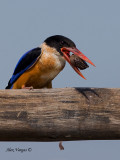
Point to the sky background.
(94, 25)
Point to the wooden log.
(60, 114)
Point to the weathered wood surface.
(60, 114)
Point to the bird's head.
(64, 46)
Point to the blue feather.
(16, 76)
(24, 55)
(24, 63)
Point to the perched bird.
(39, 66)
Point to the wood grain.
(60, 114)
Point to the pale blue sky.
(94, 25)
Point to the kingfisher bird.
(39, 66)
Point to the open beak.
(66, 53)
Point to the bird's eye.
(62, 42)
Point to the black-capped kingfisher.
(39, 66)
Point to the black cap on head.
(59, 41)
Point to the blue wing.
(25, 62)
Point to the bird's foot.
(61, 146)
(24, 87)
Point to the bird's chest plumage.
(45, 70)
(50, 65)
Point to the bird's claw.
(30, 88)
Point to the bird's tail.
(9, 86)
